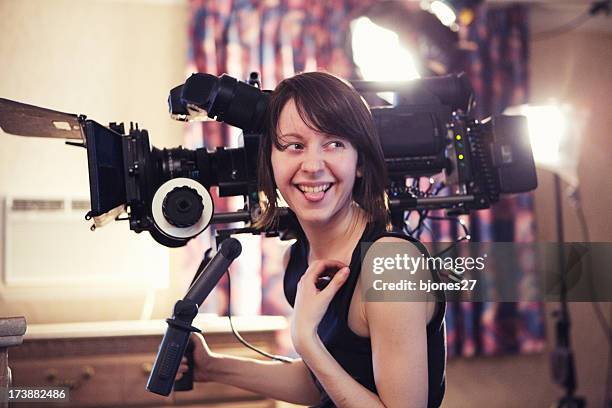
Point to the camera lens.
(182, 207)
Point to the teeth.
(310, 189)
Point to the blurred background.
(116, 60)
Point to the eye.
(295, 146)
(336, 144)
(292, 146)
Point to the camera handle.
(171, 351)
(185, 383)
(176, 340)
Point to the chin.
(322, 215)
(313, 217)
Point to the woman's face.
(314, 172)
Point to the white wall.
(112, 60)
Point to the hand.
(202, 360)
(311, 303)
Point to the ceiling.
(545, 15)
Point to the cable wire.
(576, 203)
(238, 336)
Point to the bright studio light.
(547, 127)
(378, 53)
(444, 12)
(554, 133)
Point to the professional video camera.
(427, 131)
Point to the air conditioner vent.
(80, 205)
(46, 242)
(37, 205)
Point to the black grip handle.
(168, 360)
(176, 339)
(185, 383)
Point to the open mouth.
(314, 193)
(314, 189)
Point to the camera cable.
(238, 336)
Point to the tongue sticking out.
(314, 197)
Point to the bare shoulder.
(393, 253)
(390, 239)
(390, 265)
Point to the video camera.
(428, 130)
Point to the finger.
(198, 344)
(200, 339)
(319, 267)
(337, 281)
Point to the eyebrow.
(297, 135)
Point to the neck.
(336, 239)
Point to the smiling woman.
(315, 120)
(314, 172)
(320, 152)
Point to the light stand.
(562, 357)
(556, 146)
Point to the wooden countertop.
(208, 323)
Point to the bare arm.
(289, 382)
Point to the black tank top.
(354, 352)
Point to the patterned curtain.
(279, 38)
(497, 68)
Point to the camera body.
(428, 130)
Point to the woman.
(321, 152)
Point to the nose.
(313, 163)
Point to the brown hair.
(326, 104)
